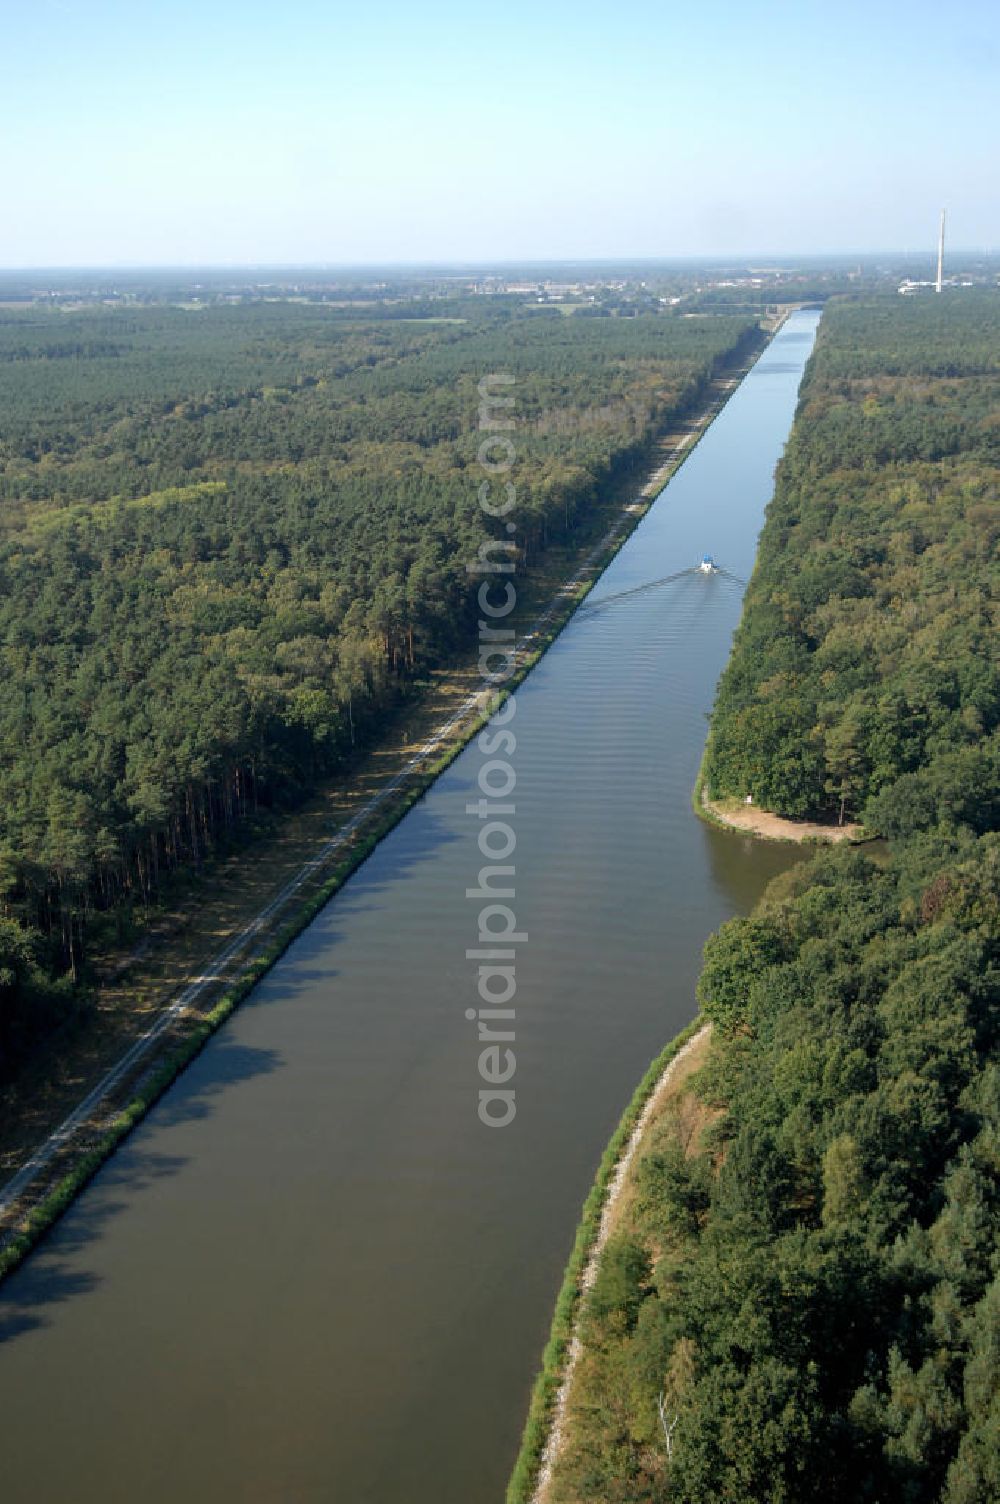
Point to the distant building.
(909, 286)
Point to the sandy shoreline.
(760, 822)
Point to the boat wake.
(707, 566)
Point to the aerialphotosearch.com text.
(497, 933)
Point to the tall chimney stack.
(940, 276)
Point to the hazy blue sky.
(140, 131)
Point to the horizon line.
(476, 264)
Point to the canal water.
(313, 1274)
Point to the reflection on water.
(312, 1275)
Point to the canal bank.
(310, 1273)
(546, 1415)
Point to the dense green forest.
(865, 679)
(813, 1285)
(230, 537)
(805, 1295)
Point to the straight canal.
(313, 1274)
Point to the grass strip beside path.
(540, 1440)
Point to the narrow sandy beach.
(760, 822)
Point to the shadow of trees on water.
(54, 1272)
